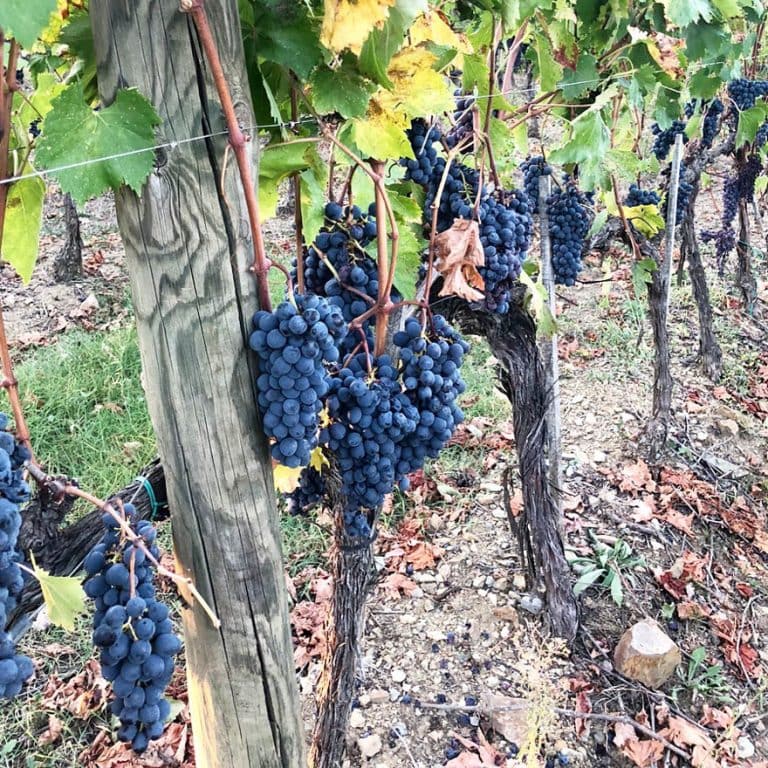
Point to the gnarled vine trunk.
(512, 338)
(710, 356)
(68, 264)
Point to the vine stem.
(238, 142)
(67, 489)
(624, 222)
(383, 307)
(7, 88)
(297, 217)
(382, 262)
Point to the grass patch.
(86, 410)
(482, 398)
(304, 543)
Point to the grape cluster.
(666, 138)
(293, 344)
(505, 233)
(308, 493)
(15, 669)
(711, 123)
(463, 128)
(337, 267)
(533, 169)
(739, 186)
(684, 191)
(369, 416)
(761, 136)
(637, 196)
(504, 217)
(422, 137)
(744, 93)
(34, 128)
(569, 222)
(131, 628)
(431, 362)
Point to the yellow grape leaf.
(59, 19)
(286, 478)
(318, 460)
(432, 27)
(347, 23)
(381, 135)
(646, 219)
(63, 595)
(418, 89)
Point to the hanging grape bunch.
(131, 628)
(504, 217)
(15, 669)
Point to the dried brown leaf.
(458, 254)
(643, 753)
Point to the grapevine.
(130, 627)
(15, 669)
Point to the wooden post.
(672, 194)
(188, 250)
(549, 351)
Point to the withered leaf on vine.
(458, 254)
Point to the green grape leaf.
(278, 161)
(728, 8)
(405, 208)
(23, 215)
(549, 70)
(292, 44)
(313, 200)
(577, 82)
(74, 134)
(588, 143)
(382, 44)
(684, 12)
(625, 164)
(410, 246)
(24, 21)
(546, 325)
(63, 595)
(380, 139)
(340, 90)
(749, 122)
(642, 275)
(78, 37)
(706, 41)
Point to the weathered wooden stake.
(549, 351)
(188, 250)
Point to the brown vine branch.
(8, 86)
(239, 144)
(297, 217)
(59, 489)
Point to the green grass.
(86, 410)
(482, 398)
